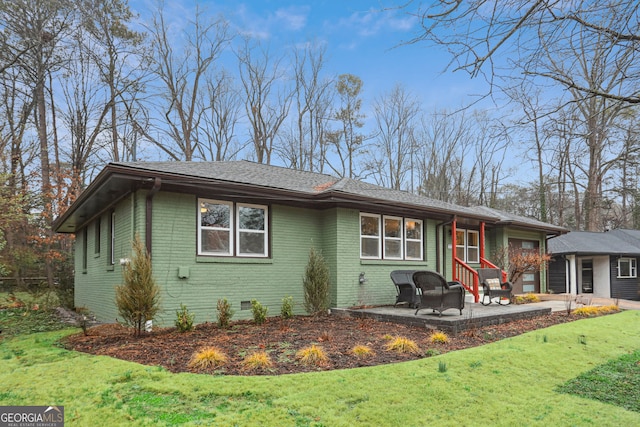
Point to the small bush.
(439, 337)
(312, 356)
(286, 311)
(402, 345)
(526, 299)
(257, 360)
(225, 313)
(207, 358)
(259, 312)
(316, 284)
(362, 351)
(184, 319)
(138, 299)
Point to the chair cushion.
(493, 283)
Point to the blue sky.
(362, 38)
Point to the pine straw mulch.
(282, 339)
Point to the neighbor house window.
(390, 237)
(627, 268)
(228, 229)
(468, 245)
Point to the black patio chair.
(493, 286)
(406, 291)
(438, 294)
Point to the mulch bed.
(283, 338)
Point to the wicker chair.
(493, 286)
(406, 291)
(437, 293)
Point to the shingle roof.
(519, 220)
(311, 183)
(616, 242)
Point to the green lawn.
(511, 382)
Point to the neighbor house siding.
(623, 288)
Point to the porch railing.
(468, 277)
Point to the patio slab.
(474, 315)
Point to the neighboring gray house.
(602, 264)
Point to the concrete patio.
(475, 315)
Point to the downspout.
(444, 243)
(454, 237)
(149, 213)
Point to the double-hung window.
(468, 245)
(232, 229)
(390, 237)
(627, 268)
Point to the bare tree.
(348, 140)
(118, 53)
(489, 30)
(183, 70)
(392, 159)
(267, 95)
(220, 116)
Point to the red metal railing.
(468, 277)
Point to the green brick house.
(243, 231)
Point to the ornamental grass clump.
(402, 345)
(439, 337)
(312, 356)
(592, 310)
(362, 351)
(527, 299)
(256, 361)
(208, 358)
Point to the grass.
(516, 384)
(616, 382)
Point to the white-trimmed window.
(627, 268)
(225, 229)
(369, 236)
(468, 245)
(390, 237)
(413, 239)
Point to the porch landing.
(474, 315)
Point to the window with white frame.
(390, 237)
(413, 239)
(468, 245)
(228, 229)
(627, 268)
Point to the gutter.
(149, 213)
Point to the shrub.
(403, 345)
(138, 299)
(527, 299)
(207, 358)
(225, 313)
(257, 360)
(593, 310)
(316, 284)
(362, 351)
(184, 319)
(286, 311)
(312, 356)
(439, 337)
(259, 312)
